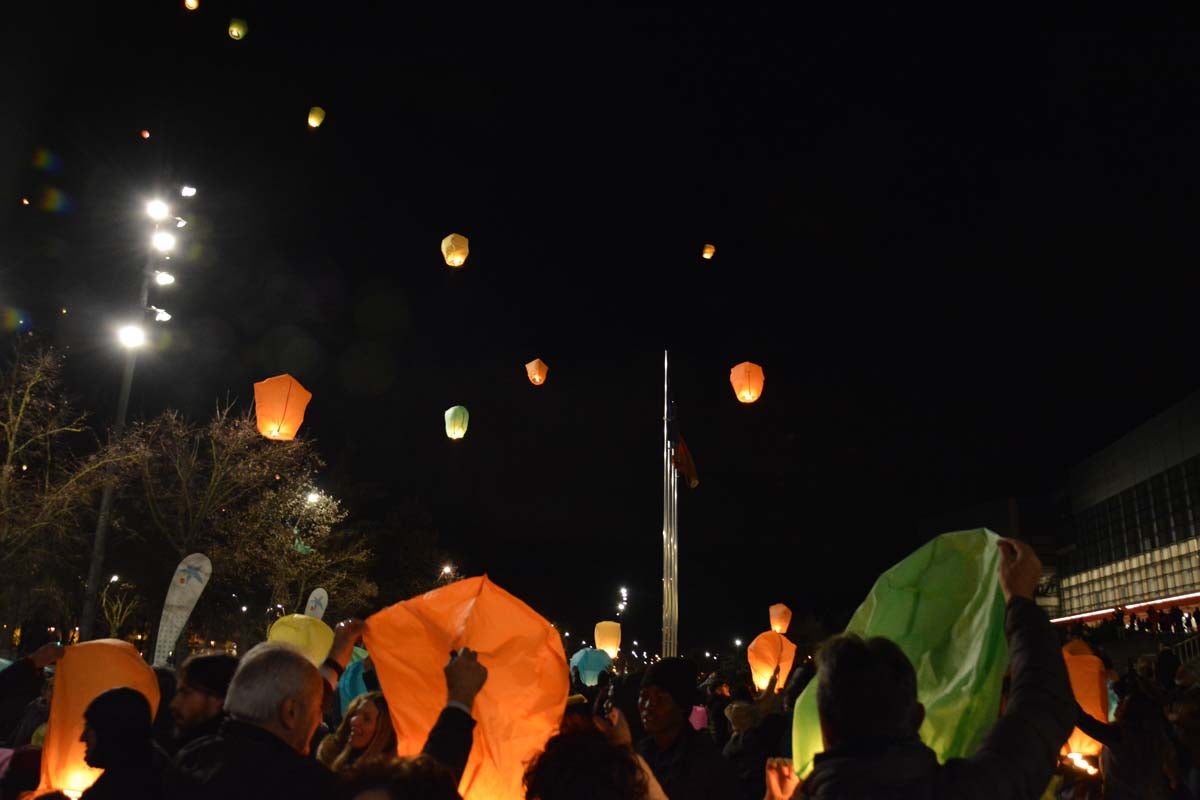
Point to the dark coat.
(138, 776)
(691, 768)
(1016, 759)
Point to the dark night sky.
(965, 262)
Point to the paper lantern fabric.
(943, 606)
(537, 370)
(279, 405)
(781, 617)
(1089, 684)
(84, 672)
(238, 29)
(316, 115)
(455, 249)
(520, 705)
(608, 637)
(709, 251)
(309, 635)
(747, 380)
(768, 651)
(590, 662)
(457, 418)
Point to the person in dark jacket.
(118, 735)
(870, 716)
(198, 707)
(1139, 759)
(686, 762)
(22, 681)
(1166, 664)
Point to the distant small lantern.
(781, 617)
(145, 133)
(709, 251)
(608, 637)
(747, 379)
(770, 651)
(279, 405)
(191, 5)
(455, 250)
(316, 115)
(537, 370)
(238, 29)
(456, 422)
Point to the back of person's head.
(584, 765)
(210, 673)
(270, 675)
(417, 778)
(866, 689)
(120, 720)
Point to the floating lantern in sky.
(536, 370)
(145, 133)
(238, 29)
(191, 5)
(456, 422)
(455, 250)
(781, 617)
(316, 115)
(279, 405)
(24, 201)
(747, 379)
(608, 637)
(768, 651)
(709, 251)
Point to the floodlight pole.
(670, 622)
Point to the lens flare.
(46, 161)
(55, 201)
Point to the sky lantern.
(455, 250)
(191, 5)
(456, 421)
(768, 651)
(86, 671)
(316, 115)
(1089, 684)
(781, 617)
(590, 662)
(536, 370)
(238, 29)
(747, 379)
(279, 405)
(309, 635)
(145, 133)
(709, 251)
(608, 637)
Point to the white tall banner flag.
(317, 602)
(191, 576)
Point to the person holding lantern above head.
(198, 707)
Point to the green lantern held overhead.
(456, 422)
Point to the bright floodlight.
(188, 191)
(131, 336)
(163, 278)
(163, 242)
(160, 315)
(737, 642)
(446, 570)
(157, 210)
(313, 497)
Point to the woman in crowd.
(371, 734)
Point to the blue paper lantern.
(590, 662)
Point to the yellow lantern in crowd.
(456, 422)
(455, 250)
(768, 651)
(309, 635)
(781, 617)
(279, 405)
(537, 370)
(709, 251)
(608, 637)
(316, 115)
(238, 29)
(747, 379)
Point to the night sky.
(965, 262)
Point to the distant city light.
(188, 191)
(313, 497)
(447, 569)
(180, 222)
(160, 315)
(161, 278)
(114, 579)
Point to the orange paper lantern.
(747, 379)
(85, 671)
(455, 249)
(519, 707)
(608, 637)
(781, 617)
(279, 405)
(709, 251)
(536, 370)
(1089, 684)
(768, 651)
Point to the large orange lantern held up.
(608, 637)
(747, 379)
(279, 405)
(781, 618)
(455, 249)
(1089, 684)
(536, 370)
(768, 651)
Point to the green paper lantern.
(456, 422)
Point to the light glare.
(157, 210)
(163, 242)
(163, 278)
(188, 191)
(313, 497)
(131, 336)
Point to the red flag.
(683, 462)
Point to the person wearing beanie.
(685, 761)
(198, 707)
(117, 733)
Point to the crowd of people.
(271, 724)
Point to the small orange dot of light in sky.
(24, 201)
(145, 133)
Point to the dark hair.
(584, 765)
(417, 778)
(865, 689)
(209, 673)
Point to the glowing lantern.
(85, 671)
(709, 251)
(608, 637)
(1089, 684)
(316, 115)
(191, 5)
(456, 422)
(590, 662)
(781, 617)
(747, 380)
(279, 405)
(307, 634)
(455, 250)
(536, 370)
(145, 133)
(768, 651)
(238, 29)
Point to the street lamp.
(163, 278)
(157, 210)
(163, 241)
(160, 314)
(312, 497)
(188, 191)
(114, 579)
(131, 336)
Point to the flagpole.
(670, 629)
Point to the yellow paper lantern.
(455, 249)
(536, 370)
(709, 251)
(781, 617)
(279, 405)
(191, 5)
(457, 418)
(309, 635)
(747, 379)
(768, 651)
(316, 115)
(238, 29)
(608, 637)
